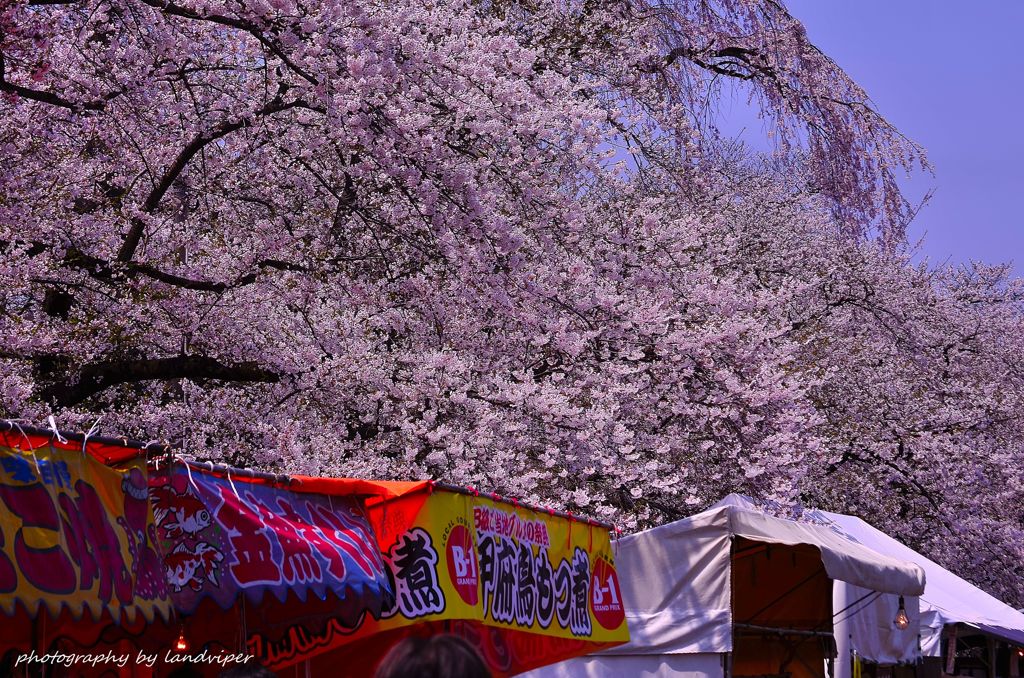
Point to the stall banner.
(520, 578)
(77, 534)
(223, 537)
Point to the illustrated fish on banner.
(528, 585)
(222, 538)
(76, 533)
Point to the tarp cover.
(676, 577)
(605, 665)
(844, 559)
(865, 624)
(947, 600)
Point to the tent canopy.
(734, 579)
(844, 559)
(676, 577)
(948, 598)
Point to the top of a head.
(442, 656)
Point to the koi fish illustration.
(179, 514)
(192, 568)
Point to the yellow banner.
(471, 558)
(77, 534)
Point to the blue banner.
(225, 537)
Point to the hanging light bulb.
(902, 621)
(181, 644)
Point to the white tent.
(734, 584)
(947, 600)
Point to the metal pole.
(840, 601)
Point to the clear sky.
(950, 75)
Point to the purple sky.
(949, 75)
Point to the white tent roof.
(676, 587)
(844, 559)
(675, 578)
(675, 582)
(948, 599)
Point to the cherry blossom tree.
(499, 243)
(922, 408)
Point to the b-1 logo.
(606, 596)
(462, 565)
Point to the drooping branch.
(97, 377)
(853, 149)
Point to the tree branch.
(184, 12)
(100, 269)
(45, 97)
(134, 235)
(97, 377)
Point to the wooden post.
(951, 650)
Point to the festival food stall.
(958, 629)
(526, 586)
(110, 546)
(78, 550)
(736, 591)
(104, 554)
(251, 553)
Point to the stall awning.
(948, 599)
(105, 545)
(223, 538)
(76, 538)
(676, 578)
(844, 559)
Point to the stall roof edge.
(110, 450)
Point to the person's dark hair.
(250, 669)
(444, 656)
(186, 671)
